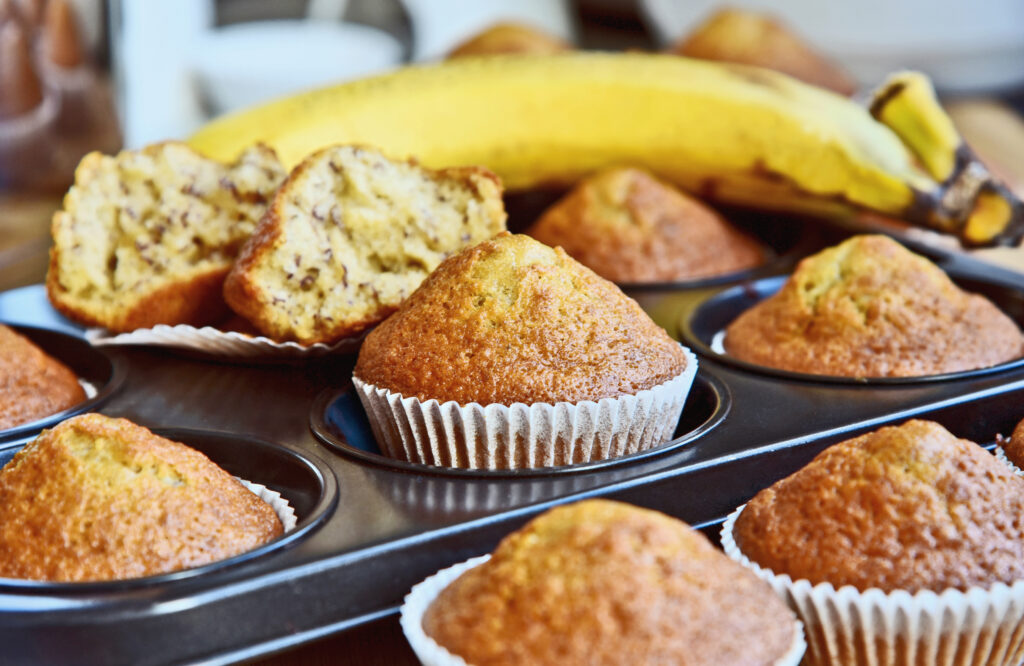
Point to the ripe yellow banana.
(973, 204)
(736, 134)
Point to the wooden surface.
(995, 131)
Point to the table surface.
(993, 129)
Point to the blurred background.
(80, 75)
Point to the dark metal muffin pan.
(90, 364)
(394, 526)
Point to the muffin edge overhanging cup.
(950, 627)
(431, 653)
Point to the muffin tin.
(394, 525)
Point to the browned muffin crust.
(868, 307)
(902, 508)
(512, 320)
(629, 227)
(98, 498)
(32, 384)
(603, 582)
(750, 38)
(1014, 447)
(510, 38)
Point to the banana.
(973, 204)
(736, 134)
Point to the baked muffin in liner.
(848, 626)
(475, 436)
(430, 653)
(285, 512)
(1001, 457)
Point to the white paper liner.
(284, 510)
(847, 626)
(231, 344)
(476, 436)
(430, 653)
(1001, 457)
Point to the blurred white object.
(962, 46)
(150, 42)
(440, 25)
(247, 63)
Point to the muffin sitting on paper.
(515, 355)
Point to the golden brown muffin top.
(750, 38)
(629, 227)
(508, 37)
(868, 307)
(1014, 447)
(601, 582)
(99, 498)
(902, 508)
(32, 384)
(513, 320)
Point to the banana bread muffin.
(350, 235)
(603, 582)
(1013, 448)
(147, 237)
(99, 498)
(32, 383)
(509, 38)
(868, 307)
(750, 38)
(629, 227)
(512, 320)
(902, 508)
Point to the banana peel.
(736, 134)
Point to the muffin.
(98, 498)
(518, 356)
(601, 582)
(882, 539)
(629, 227)
(749, 38)
(32, 384)
(147, 237)
(350, 235)
(510, 38)
(868, 307)
(1011, 451)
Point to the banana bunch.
(735, 134)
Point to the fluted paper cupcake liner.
(949, 628)
(430, 653)
(285, 512)
(1001, 456)
(495, 436)
(225, 344)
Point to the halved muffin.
(147, 236)
(350, 235)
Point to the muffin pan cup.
(847, 626)
(430, 653)
(396, 524)
(100, 376)
(525, 436)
